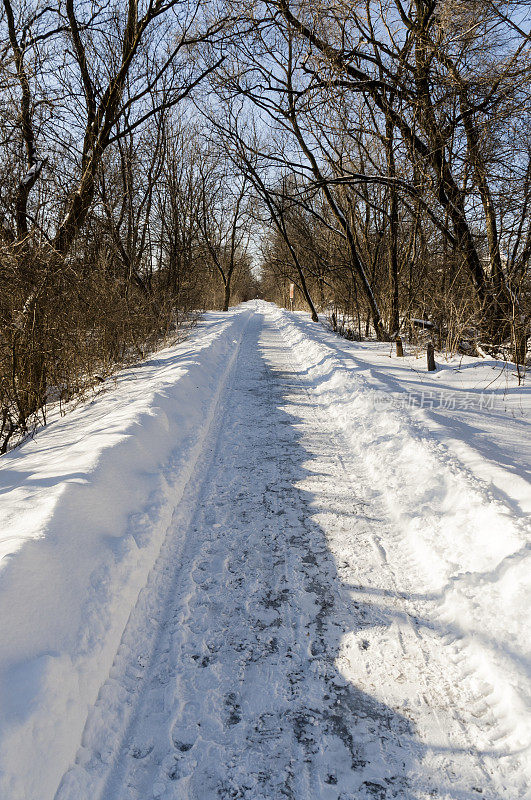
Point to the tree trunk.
(392, 248)
(226, 294)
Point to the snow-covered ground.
(271, 563)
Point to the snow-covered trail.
(281, 647)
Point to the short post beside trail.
(430, 352)
(399, 347)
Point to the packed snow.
(269, 563)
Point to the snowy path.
(281, 647)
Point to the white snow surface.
(271, 563)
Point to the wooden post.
(430, 352)
(399, 347)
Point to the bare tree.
(223, 217)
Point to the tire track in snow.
(340, 445)
(109, 720)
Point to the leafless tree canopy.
(157, 156)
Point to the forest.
(162, 157)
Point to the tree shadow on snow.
(354, 745)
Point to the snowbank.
(453, 472)
(85, 508)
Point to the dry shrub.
(63, 327)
